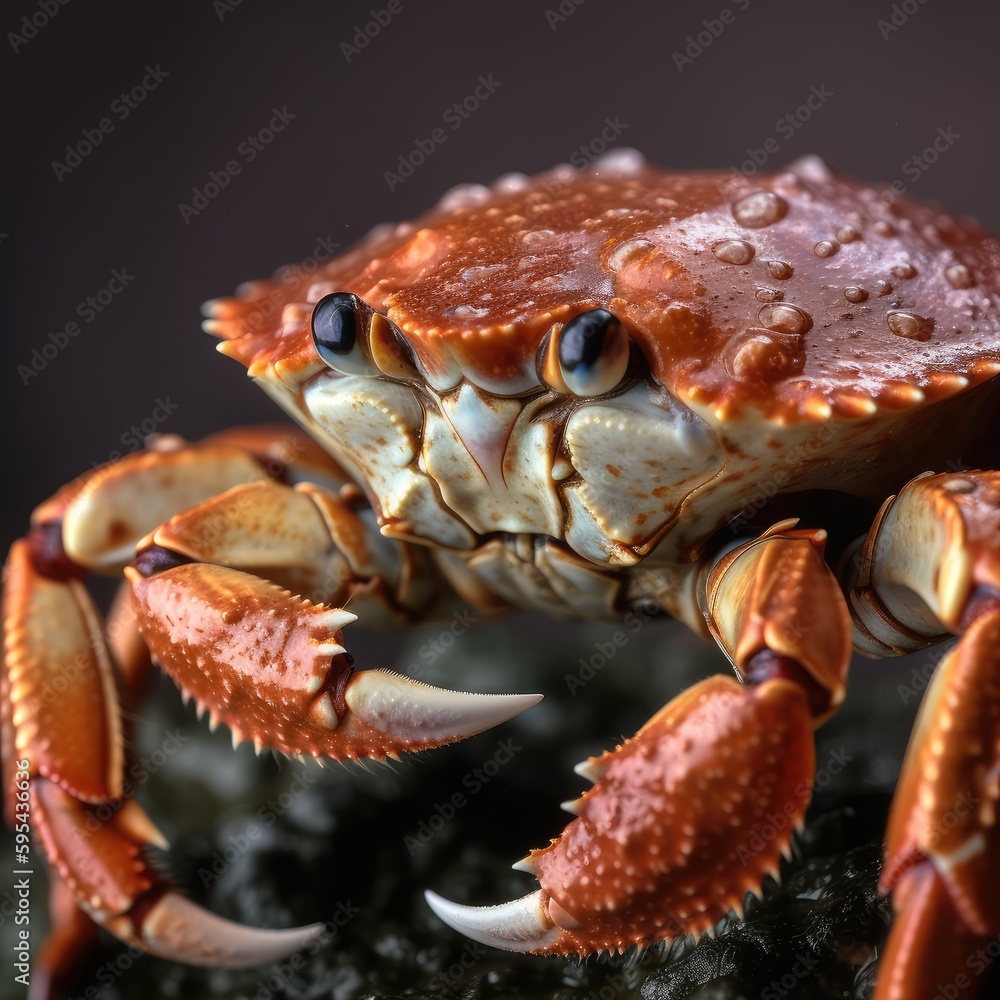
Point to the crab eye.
(588, 356)
(335, 323)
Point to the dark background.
(324, 175)
(893, 89)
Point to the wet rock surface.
(276, 843)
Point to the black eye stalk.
(589, 356)
(353, 339)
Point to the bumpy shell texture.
(799, 294)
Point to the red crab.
(560, 392)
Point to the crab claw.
(104, 864)
(272, 668)
(520, 925)
(683, 820)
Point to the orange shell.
(800, 293)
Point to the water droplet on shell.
(959, 276)
(769, 295)
(909, 324)
(780, 269)
(904, 271)
(883, 288)
(848, 234)
(762, 354)
(826, 248)
(762, 208)
(855, 294)
(784, 318)
(624, 252)
(733, 251)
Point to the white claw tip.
(590, 770)
(177, 929)
(409, 710)
(520, 925)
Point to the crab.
(588, 392)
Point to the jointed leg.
(282, 675)
(932, 564)
(666, 842)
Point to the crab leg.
(669, 839)
(931, 564)
(271, 665)
(63, 668)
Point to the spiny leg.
(62, 706)
(63, 680)
(931, 564)
(270, 664)
(665, 842)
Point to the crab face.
(578, 356)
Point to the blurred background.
(121, 120)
